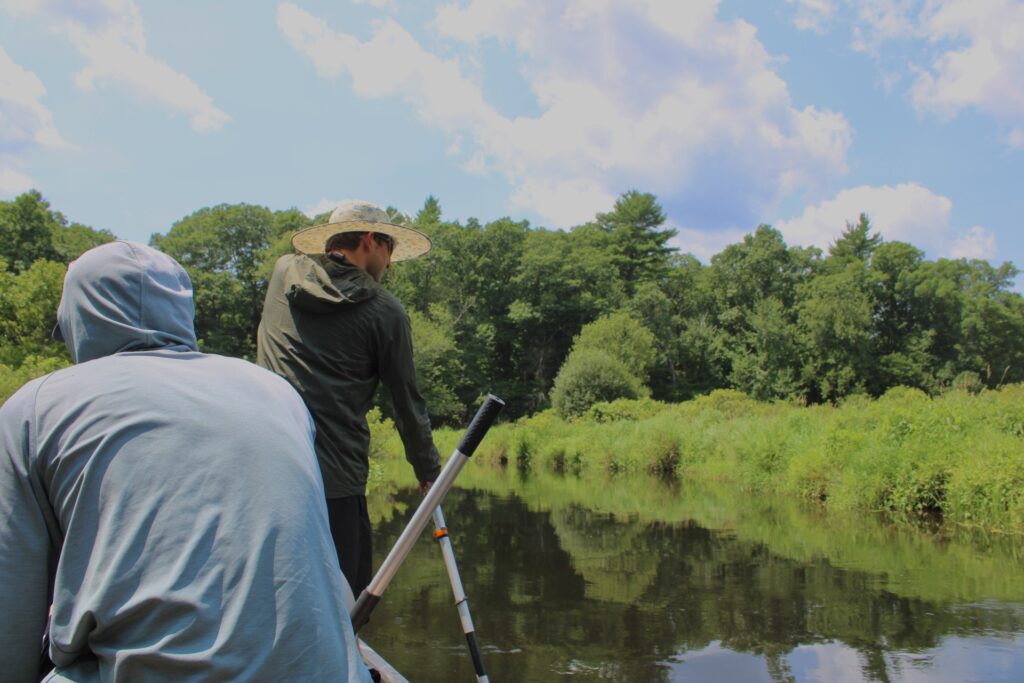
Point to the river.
(634, 579)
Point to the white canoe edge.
(388, 674)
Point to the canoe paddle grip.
(482, 421)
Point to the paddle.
(461, 603)
(370, 595)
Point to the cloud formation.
(907, 212)
(109, 34)
(659, 95)
(959, 54)
(986, 69)
(25, 122)
(813, 15)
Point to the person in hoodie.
(334, 333)
(162, 514)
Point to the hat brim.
(409, 243)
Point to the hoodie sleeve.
(398, 373)
(27, 555)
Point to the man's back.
(332, 333)
(170, 499)
(190, 550)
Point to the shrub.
(623, 338)
(625, 409)
(728, 402)
(589, 376)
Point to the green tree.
(26, 229)
(71, 241)
(30, 230)
(902, 335)
(755, 285)
(705, 357)
(761, 266)
(642, 246)
(767, 362)
(835, 323)
(28, 301)
(564, 281)
(438, 367)
(225, 251)
(464, 279)
(856, 242)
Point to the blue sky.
(130, 114)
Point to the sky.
(130, 115)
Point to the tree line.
(604, 310)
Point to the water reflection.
(561, 590)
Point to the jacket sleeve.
(28, 555)
(398, 373)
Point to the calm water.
(602, 581)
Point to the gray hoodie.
(165, 505)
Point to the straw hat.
(354, 215)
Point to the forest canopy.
(505, 307)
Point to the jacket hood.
(319, 283)
(125, 296)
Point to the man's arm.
(25, 539)
(398, 373)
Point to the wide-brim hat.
(355, 215)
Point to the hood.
(125, 296)
(319, 283)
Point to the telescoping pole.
(370, 595)
(461, 603)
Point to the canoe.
(388, 673)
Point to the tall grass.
(958, 457)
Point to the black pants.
(350, 527)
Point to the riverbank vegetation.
(957, 457)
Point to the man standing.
(333, 332)
(162, 505)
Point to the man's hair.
(344, 240)
(350, 240)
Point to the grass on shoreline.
(958, 457)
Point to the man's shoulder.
(388, 305)
(24, 397)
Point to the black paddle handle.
(482, 421)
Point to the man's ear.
(366, 242)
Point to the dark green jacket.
(333, 333)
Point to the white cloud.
(659, 95)
(702, 243)
(907, 212)
(109, 34)
(1015, 138)
(976, 243)
(958, 54)
(389, 5)
(986, 71)
(12, 182)
(813, 15)
(563, 203)
(882, 20)
(26, 121)
(323, 206)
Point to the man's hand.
(425, 486)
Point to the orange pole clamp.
(440, 533)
